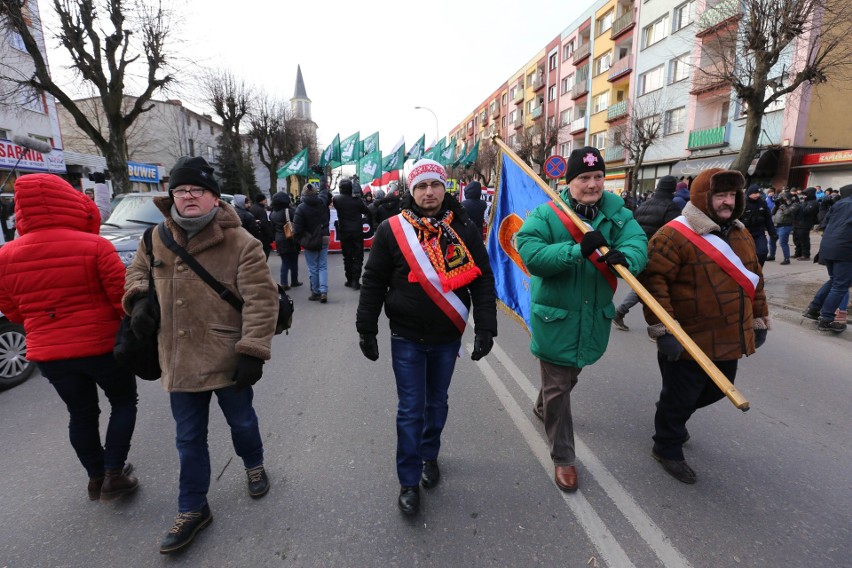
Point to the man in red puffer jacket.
(64, 283)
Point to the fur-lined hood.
(717, 180)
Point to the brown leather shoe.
(117, 483)
(96, 483)
(566, 478)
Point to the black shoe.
(96, 483)
(828, 324)
(431, 474)
(811, 314)
(314, 297)
(258, 482)
(356, 285)
(784, 262)
(323, 298)
(118, 482)
(295, 284)
(348, 284)
(539, 412)
(803, 258)
(680, 470)
(409, 500)
(770, 258)
(186, 526)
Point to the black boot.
(186, 526)
(117, 482)
(409, 499)
(96, 483)
(431, 474)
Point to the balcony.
(519, 95)
(718, 17)
(709, 137)
(616, 111)
(536, 112)
(538, 82)
(483, 118)
(519, 122)
(577, 126)
(579, 90)
(495, 110)
(620, 68)
(582, 52)
(623, 24)
(703, 83)
(613, 154)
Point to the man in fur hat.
(703, 269)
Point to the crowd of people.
(698, 247)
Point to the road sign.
(554, 167)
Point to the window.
(188, 120)
(568, 50)
(651, 80)
(552, 62)
(211, 129)
(600, 102)
(605, 22)
(512, 139)
(512, 115)
(191, 147)
(565, 117)
(598, 140)
(566, 82)
(504, 99)
(565, 149)
(198, 123)
(503, 123)
(16, 41)
(683, 15)
(674, 121)
(4, 134)
(30, 99)
(512, 92)
(603, 63)
(211, 156)
(551, 93)
(532, 105)
(530, 79)
(653, 33)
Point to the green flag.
(448, 154)
(416, 151)
(471, 156)
(394, 160)
(460, 156)
(298, 166)
(370, 167)
(370, 144)
(434, 153)
(349, 149)
(331, 153)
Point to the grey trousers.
(554, 399)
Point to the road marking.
(635, 515)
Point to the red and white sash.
(577, 235)
(721, 253)
(418, 262)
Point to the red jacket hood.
(46, 201)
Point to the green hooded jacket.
(570, 300)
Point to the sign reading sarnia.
(30, 160)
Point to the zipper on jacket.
(742, 319)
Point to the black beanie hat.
(753, 188)
(193, 171)
(259, 198)
(667, 183)
(582, 160)
(845, 191)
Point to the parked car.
(131, 214)
(14, 366)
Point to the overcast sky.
(367, 64)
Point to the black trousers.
(802, 241)
(686, 388)
(352, 247)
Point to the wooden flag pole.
(671, 324)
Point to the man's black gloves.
(613, 257)
(142, 322)
(369, 346)
(482, 344)
(249, 370)
(591, 241)
(759, 337)
(669, 346)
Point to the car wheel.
(14, 367)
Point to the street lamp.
(437, 130)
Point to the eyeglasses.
(434, 184)
(194, 192)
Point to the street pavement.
(774, 487)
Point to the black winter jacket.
(266, 234)
(757, 218)
(411, 313)
(350, 223)
(249, 222)
(311, 212)
(385, 209)
(656, 212)
(474, 205)
(836, 242)
(805, 216)
(281, 207)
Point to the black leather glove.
(591, 241)
(613, 257)
(482, 344)
(669, 346)
(369, 346)
(759, 337)
(249, 370)
(142, 322)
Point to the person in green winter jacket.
(571, 292)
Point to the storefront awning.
(763, 165)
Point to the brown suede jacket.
(712, 307)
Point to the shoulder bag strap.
(147, 238)
(224, 293)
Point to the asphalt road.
(774, 483)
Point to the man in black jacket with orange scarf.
(427, 265)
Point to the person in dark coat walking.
(426, 292)
(804, 219)
(311, 220)
(288, 249)
(258, 209)
(757, 218)
(474, 205)
(351, 211)
(655, 212)
(248, 221)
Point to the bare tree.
(487, 162)
(767, 49)
(536, 143)
(232, 100)
(268, 122)
(642, 127)
(106, 41)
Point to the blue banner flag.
(517, 195)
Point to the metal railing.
(617, 110)
(620, 67)
(577, 125)
(719, 13)
(709, 137)
(622, 23)
(582, 52)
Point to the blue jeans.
(423, 373)
(191, 411)
(835, 292)
(77, 381)
(317, 261)
(289, 264)
(784, 240)
(630, 300)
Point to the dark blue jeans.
(77, 381)
(289, 263)
(831, 295)
(191, 411)
(423, 373)
(686, 388)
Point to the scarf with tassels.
(446, 251)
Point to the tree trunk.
(273, 179)
(753, 124)
(116, 158)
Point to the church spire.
(300, 103)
